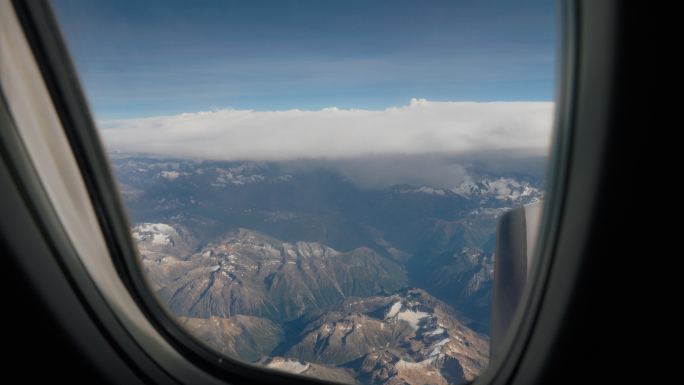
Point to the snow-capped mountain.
(503, 189)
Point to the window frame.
(596, 100)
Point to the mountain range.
(301, 270)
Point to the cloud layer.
(421, 127)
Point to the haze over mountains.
(299, 267)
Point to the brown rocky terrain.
(409, 336)
(245, 272)
(310, 309)
(319, 279)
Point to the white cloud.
(421, 127)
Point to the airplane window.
(314, 187)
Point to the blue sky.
(150, 58)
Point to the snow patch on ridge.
(394, 310)
(437, 331)
(170, 175)
(413, 317)
(159, 232)
(291, 366)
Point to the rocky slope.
(408, 336)
(245, 272)
(236, 291)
